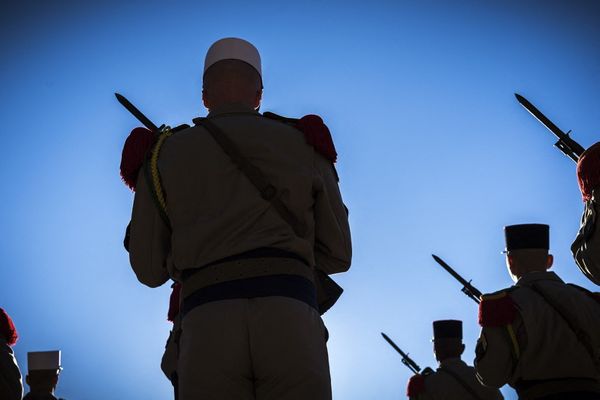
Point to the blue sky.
(436, 156)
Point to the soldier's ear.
(27, 380)
(257, 99)
(204, 100)
(549, 261)
(462, 348)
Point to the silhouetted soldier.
(11, 385)
(250, 325)
(541, 336)
(43, 369)
(586, 247)
(453, 379)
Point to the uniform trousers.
(572, 396)
(262, 348)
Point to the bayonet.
(468, 288)
(406, 360)
(565, 143)
(136, 113)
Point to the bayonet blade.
(565, 144)
(136, 113)
(468, 288)
(539, 115)
(406, 360)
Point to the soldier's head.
(527, 249)
(232, 75)
(43, 371)
(447, 339)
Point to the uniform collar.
(231, 108)
(537, 276)
(451, 362)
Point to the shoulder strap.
(461, 381)
(267, 191)
(582, 336)
(152, 176)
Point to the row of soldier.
(540, 336)
(243, 212)
(43, 367)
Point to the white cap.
(233, 49)
(37, 360)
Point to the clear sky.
(436, 156)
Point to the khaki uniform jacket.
(11, 385)
(440, 385)
(541, 346)
(215, 211)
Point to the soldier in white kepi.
(453, 379)
(11, 384)
(43, 369)
(244, 210)
(541, 336)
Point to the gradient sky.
(436, 156)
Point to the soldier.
(541, 336)
(11, 384)
(244, 241)
(586, 247)
(453, 379)
(42, 376)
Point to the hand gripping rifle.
(568, 146)
(406, 360)
(468, 288)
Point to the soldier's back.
(560, 332)
(218, 211)
(454, 380)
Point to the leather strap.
(267, 191)
(582, 336)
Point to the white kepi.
(233, 49)
(43, 360)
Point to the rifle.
(468, 288)
(406, 360)
(568, 146)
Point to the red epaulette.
(497, 309)
(137, 145)
(318, 136)
(7, 328)
(174, 302)
(416, 385)
(316, 133)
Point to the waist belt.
(292, 286)
(531, 390)
(262, 252)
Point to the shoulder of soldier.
(316, 133)
(416, 385)
(498, 308)
(593, 295)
